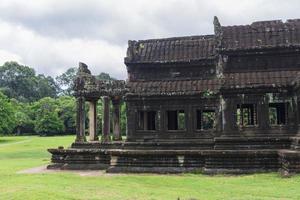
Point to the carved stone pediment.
(88, 86)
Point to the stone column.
(116, 119)
(93, 120)
(263, 113)
(80, 120)
(295, 110)
(219, 115)
(228, 116)
(106, 120)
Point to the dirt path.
(12, 143)
(43, 169)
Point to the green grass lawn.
(19, 153)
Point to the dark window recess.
(277, 113)
(176, 120)
(151, 119)
(208, 119)
(147, 120)
(205, 119)
(246, 114)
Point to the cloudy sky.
(54, 35)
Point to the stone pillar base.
(80, 139)
(105, 139)
(119, 138)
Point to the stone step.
(295, 143)
(177, 161)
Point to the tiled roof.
(259, 35)
(259, 79)
(178, 87)
(178, 49)
(267, 79)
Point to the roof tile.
(265, 34)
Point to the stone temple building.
(222, 103)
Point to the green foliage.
(23, 117)
(273, 116)
(7, 115)
(104, 76)
(99, 116)
(47, 119)
(208, 120)
(66, 81)
(208, 93)
(20, 82)
(67, 113)
(181, 120)
(46, 87)
(123, 119)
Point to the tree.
(20, 82)
(47, 121)
(17, 81)
(23, 117)
(46, 86)
(104, 76)
(67, 113)
(66, 81)
(7, 117)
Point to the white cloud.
(53, 35)
(8, 56)
(53, 56)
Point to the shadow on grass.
(4, 141)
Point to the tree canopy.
(66, 81)
(47, 119)
(104, 76)
(7, 117)
(22, 83)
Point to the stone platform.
(162, 157)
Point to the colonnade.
(92, 115)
